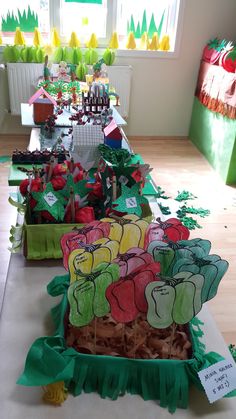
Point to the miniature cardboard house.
(43, 106)
(112, 135)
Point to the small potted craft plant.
(127, 321)
(60, 197)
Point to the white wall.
(163, 89)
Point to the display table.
(25, 316)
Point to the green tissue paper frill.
(49, 361)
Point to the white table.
(63, 119)
(25, 317)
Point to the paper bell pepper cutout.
(74, 41)
(89, 256)
(176, 299)
(87, 234)
(50, 201)
(129, 231)
(169, 253)
(131, 260)
(130, 201)
(114, 43)
(171, 229)
(144, 41)
(212, 267)
(87, 297)
(19, 37)
(127, 296)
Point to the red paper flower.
(58, 183)
(82, 215)
(59, 169)
(127, 296)
(79, 176)
(96, 190)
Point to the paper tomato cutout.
(127, 296)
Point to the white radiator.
(22, 79)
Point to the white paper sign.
(50, 198)
(131, 202)
(219, 379)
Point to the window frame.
(54, 21)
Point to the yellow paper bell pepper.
(56, 42)
(89, 256)
(74, 41)
(93, 42)
(37, 40)
(131, 44)
(165, 43)
(114, 43)
(154, 44)
(129, 232)
(19, 37)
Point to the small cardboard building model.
(112, 135)
(43, 105)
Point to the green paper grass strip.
(50, 361)
(161, 193)
(189, 222)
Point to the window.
(25, 14)
(87, 16)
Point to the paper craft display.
(129, 231)
(130, 201)
(43, 105)
(169, 230)
(134, 258)
(89, 256)
(127, 296)
(88, 234)
(86, 295)
(50, 201)
(112, 135)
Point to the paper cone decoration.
(144, 41)
(154, 45)
(0, 39)
(131, 44)
(74, 41)
(93, 42)
(56, 42)
(37, 40)
(114, 43)
(19, 37)
(165, 43)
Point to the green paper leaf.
(51, 201)
(130, 200)
(79, 188)
(184, 196)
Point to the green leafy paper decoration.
(79, 188)
(130, 201)
(184, 196)
(51, 201)
(26, 21)
(164, 210)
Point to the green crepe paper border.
(42, 241)
(49, 361)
